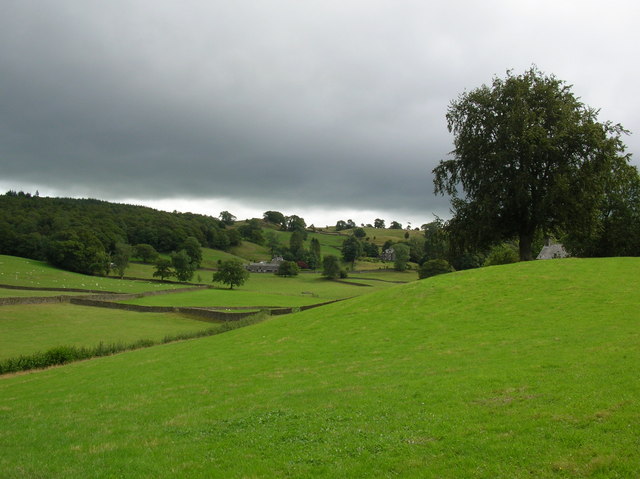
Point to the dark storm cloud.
(312, 103)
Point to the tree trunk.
(525, 246)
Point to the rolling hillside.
(526, 370)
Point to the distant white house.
(264, 267)
(552, 250)
(388, 255)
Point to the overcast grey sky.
(326, 109)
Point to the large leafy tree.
(192, 246)
(163, 269)
(231, 272)
(378, 223)
(528, 157)
(294, 223)
(351, 250)
(274, 217)
(183, 265)
(330, 267)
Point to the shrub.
(287, 268)
(434, 267)
(504, 253)
(330, 267)
(402, 256)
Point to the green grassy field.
(525, 370)
(31, 328)
(226, 298)
(251, 252)
(32, 273)
(271, 290)
(210, 257)
(20, 293)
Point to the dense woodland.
(46, 228)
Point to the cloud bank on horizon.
(299, 106)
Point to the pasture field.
(210, 257)
(270, 290)
(313, 284)
(25, 293)
(329, 244)
(525, 370)
(376, 235)
(251, 252)
(32, 273)
(225, 298)
(27, 329)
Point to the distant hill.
(28, 222)
(524, 370)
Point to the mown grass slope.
(526, 370)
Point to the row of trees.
(378, 223)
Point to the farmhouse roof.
(552, 251)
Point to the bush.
(434, 267)
(288, 268)
(331, 267)
(502, 254)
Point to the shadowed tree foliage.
(528, 156)
(192, 246)
(145, 252)
(78, 250)
(288, 268)
(120, 258)
(274, 217)
(28, 224)
(434, 267)
(618, 219)
(183, 265)
(351, 250)
(294, 223)
(296, 244)
(330, 267)
(252, 231)
(227, 218)
(314, 250)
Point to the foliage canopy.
(528, 156)
(231, 272)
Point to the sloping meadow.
(526, 370)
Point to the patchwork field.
(20, 293)
(31, 328)
(270, 290)
(526, 370)
(221, 298)
(32, 273)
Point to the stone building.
(264, 267)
